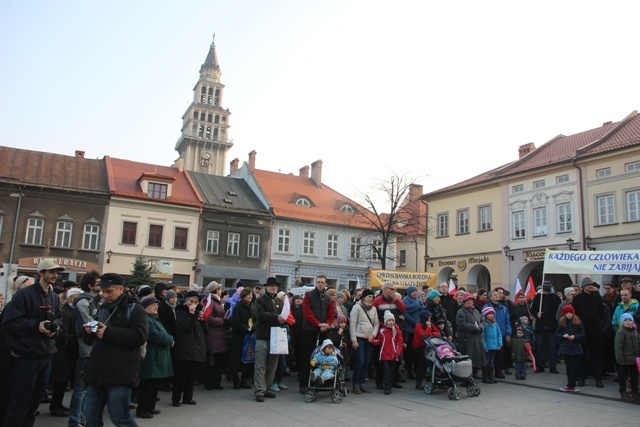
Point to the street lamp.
(19, 195)
(570, 243)
(507, 252)
(587, 241)
(297, 269)
(109, 255)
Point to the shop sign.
(66, 263)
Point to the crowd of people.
(118, 348)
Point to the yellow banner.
(402, 279)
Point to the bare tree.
(392, 209)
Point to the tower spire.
(211, 62)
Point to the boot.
(236, 382)
(490, 375)
(243, 382)
(498, 374)
(475, 374)
(485, 376)
(626, 397)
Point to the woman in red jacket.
(423, 330)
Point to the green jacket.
(157, 361)
(520, 353)
(627, 346)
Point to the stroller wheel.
(450, 393)
(336, 396)
(471, 390)
(456, 393)
(310, 396)
(428, 387)
(477, 390)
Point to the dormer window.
(303, 202)
(157, 191)
(347, 209)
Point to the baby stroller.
(335, 385)
(449, 369)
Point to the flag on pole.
(530, 291)
(452, 288)
(518, 290)
(206, 310)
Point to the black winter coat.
(590, 310)
(115, 358)
(167, 318)
(190, 338)
(550, 304)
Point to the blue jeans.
(363, 358)
(117, 400)
(27, 382)
(78, 404)
(521, 369)
(546, 346)
(490, 357)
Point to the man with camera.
(116, 333)
(30, 324)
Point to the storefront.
(473, 272)
(74, 269)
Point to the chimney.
(525, 149)
(179, 164)
(304, 171)
(316, 173)
(80, 153)
(233, 166)
(415, 191)
(252, 161)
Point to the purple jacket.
(216, 328)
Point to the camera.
(50, 323)
(93, 325)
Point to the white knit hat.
(388, 315)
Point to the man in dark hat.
(589, 309)
(268, 308)
(121, 330)
(30, 323)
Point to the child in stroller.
(449, 369)
(326, 373)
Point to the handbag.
(279, 343)
(249, 349)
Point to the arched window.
(203, 90)
(222, 134)
(217, 92)
(303, 202)
(217, 100)
(217, 119)
(210, 91)
(208, 132)
(202, 116)
(195, 115)
(194, 129)
(215, 134)
(224, 119)
(209, 118)
(347, 209)
(200, 131)
(204, 99)
(210, 101)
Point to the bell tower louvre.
(205, 125)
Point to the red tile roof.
(282, 191)
(71, 173)
(124, 176)
(562, 149)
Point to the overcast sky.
(440, 90)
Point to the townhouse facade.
(576, 192)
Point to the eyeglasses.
(321, 283)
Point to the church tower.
(205, 125)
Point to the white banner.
(592, 262)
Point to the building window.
(303, 202)
(35, 228)
(463, 221)
(633, 205)
(443, 225)
(346, 209)
(518, 225)
(484, 216)
(180, 238)
(213, 241)
(563, 218)
(181, 279)
(602, 173)
(91, 237)
(354, 248)
(517, 188)
(605, 209)
(540, 222)
(308, 242)
(283, 240)
(632, 167)
(376, 250)
(538, 184)
(157, 191)
(233, 244)
(129, 231)
(562, 179)
(63, 234)
(253, 250)
(332, 245)
(155, 236)
(403, 257)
